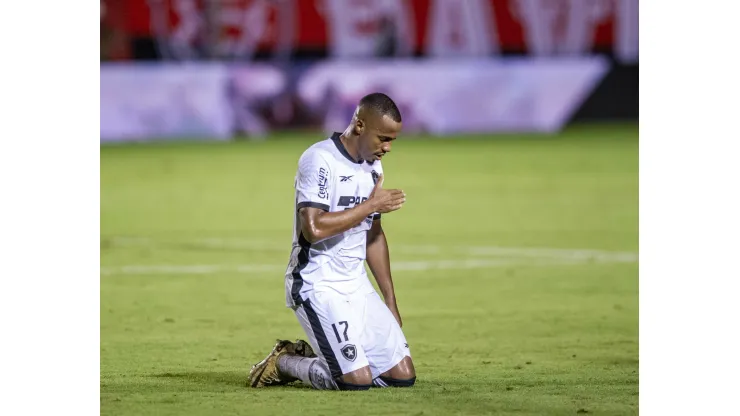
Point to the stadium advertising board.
(140, 102)
(435, 96)
(449, 97)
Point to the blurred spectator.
(387, 38)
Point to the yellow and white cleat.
(266, 372)
(303, 349)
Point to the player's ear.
(359, 127)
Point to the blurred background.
(515, 257)
(223, 68)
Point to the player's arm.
(379, 262)
(317, 224)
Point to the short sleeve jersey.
(329, 178)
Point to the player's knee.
(407, 373)
(404, 370)
(360, 379)
(342, 385)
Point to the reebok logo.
(345, 178)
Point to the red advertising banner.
(358, 28)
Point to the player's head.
(376, 122)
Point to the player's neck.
(350, 143)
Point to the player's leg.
(386, 347)
(316, 373)
(333, 329)
(402, 374)
(266, 372)
(333, 326)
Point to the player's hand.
(386, 200)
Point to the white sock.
(311, 371)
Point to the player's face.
(376, 138)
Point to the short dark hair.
(382, 104)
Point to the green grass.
(529, 338)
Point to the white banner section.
(460, 96)
(180, 101)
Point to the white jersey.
(330, 179)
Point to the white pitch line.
(485, 251)
(189, 269)
(555, 253)
(406, 266)
(494, 256)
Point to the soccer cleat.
(303, 349)
(266, 372)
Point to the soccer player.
(356, 335)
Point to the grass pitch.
(514, 260)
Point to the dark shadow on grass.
(229, 378)
(226, 378)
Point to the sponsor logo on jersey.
(323, 194)
(376, 176)
(345, 178)
(349, 201)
